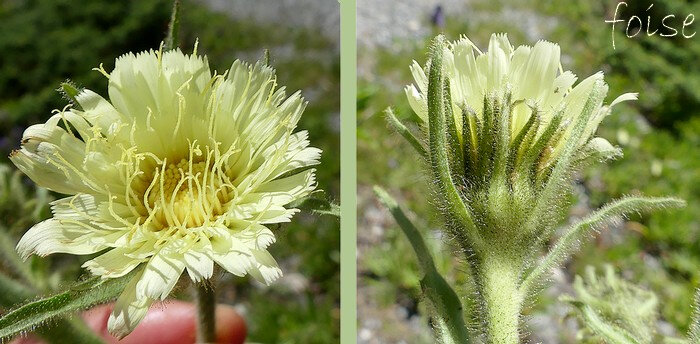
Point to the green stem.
(501, 299)
(206, 303)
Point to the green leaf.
(531, 151)
(13, 293)
(442, 297)
(529, 131)
(60, 330)
(407, 134)
(318, 203)
(82, 296)
(171, 40)
(71, 92)
(626, 307)
(469, 149)
(567, 244)
(502, 136)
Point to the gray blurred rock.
(381, 23)
(323, 15)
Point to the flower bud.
(511, 115)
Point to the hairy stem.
(206, 303)
(501, 299)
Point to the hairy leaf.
(617, 302)
(266, 57)
(318, 203)
(60, 330)
(566, 245)
(83, 295)
(529, 130)
(405, 132)
(455, 156)
(442, 297)
(71, 92)
(553, 185)
(469, 140)
(502, 135)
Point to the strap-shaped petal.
(114, 263)
(128, 311)
(160, 275)
(233, 255)
(265, 269)
(199, 265)
(56, 236)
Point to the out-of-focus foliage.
(45, 42)
(658, 133)
(614, 310)
(611, 307)
(20, 206)
(658, 162)
(663, 69)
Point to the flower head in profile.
(506, 129)
(540, 93)
(179, 170)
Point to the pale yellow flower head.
(532, 75)
(178, 170)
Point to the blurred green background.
(660, 136)
(45, 42)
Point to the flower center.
(174, 174)
(188, 194)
